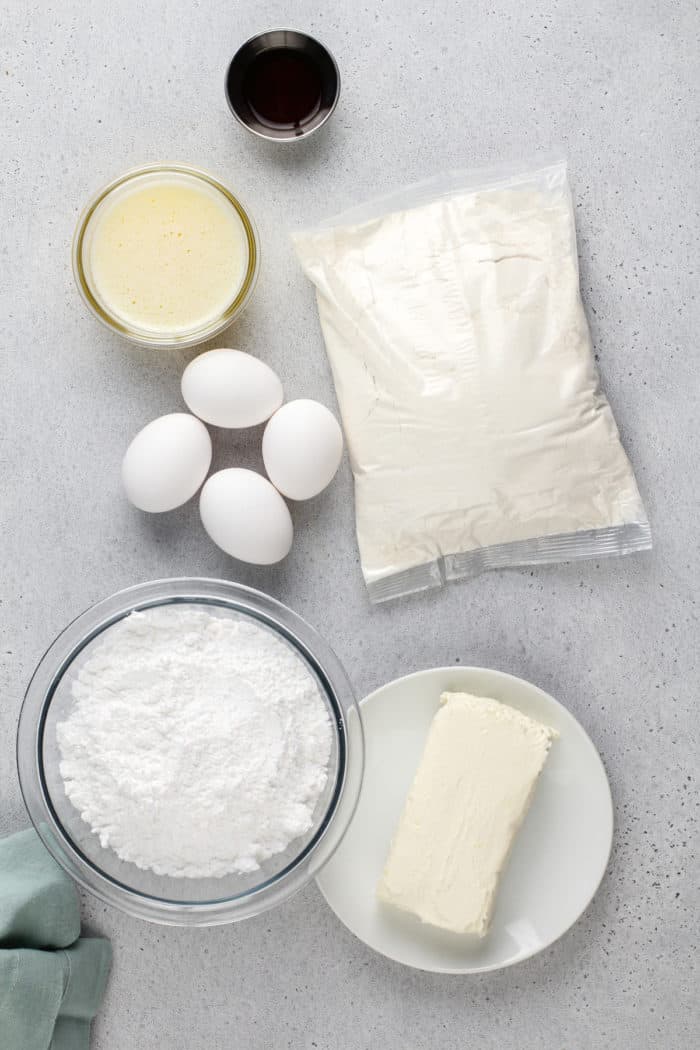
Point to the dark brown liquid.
(283, 88)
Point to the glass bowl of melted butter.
(166, 256)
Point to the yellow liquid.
(167, 254)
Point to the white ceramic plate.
(558, 858)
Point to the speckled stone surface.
(90, 90)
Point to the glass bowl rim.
(284, 622)
(134, 335)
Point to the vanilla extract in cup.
(282, 85)
(283, 88)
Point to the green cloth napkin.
(51, 983)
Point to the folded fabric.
(51, 983)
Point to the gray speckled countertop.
(90, 90)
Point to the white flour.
(196, 746)
(477, 431)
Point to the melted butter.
(168, 254)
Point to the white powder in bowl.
(196, 746)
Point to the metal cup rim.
(282, 138)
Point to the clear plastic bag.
(478, 435)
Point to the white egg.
(166, 462)
(302, 448)
(246, 516)
(228, 388)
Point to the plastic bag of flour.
(478, 434)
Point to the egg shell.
(302, 448)
(231, 389)
(166, 462)
(246, 516)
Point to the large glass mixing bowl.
(165, 899)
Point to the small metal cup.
(294, 41)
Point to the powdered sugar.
(196, 746)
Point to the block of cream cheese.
(469, 796)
